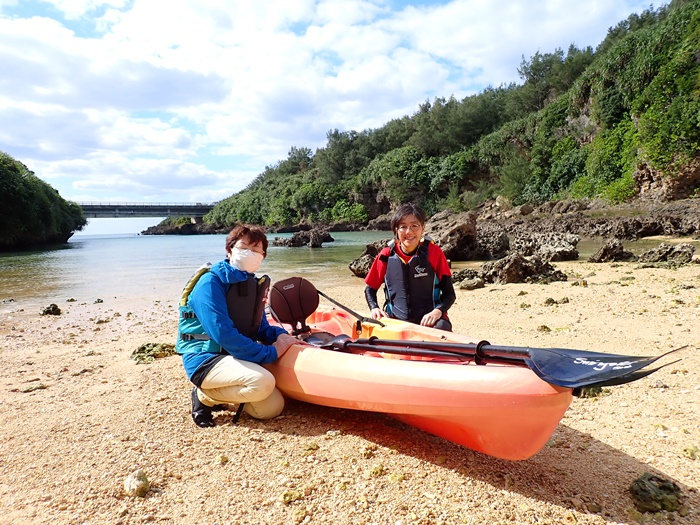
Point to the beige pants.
(234, 381)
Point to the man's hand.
(284, 341)
(431, 318)
(377, 313)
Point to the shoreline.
(79, 416)
(25, 303)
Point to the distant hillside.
(619, 122)
(32, 213)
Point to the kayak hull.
(505, 411)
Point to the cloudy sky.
(189, 100)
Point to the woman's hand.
(377, 313)
(284, 341)
(431, 318)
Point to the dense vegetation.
(31, 211)
(582, 124)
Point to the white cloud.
(115, 178)
(346, 12)
(76, 9)
(189, 100)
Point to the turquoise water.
(136, 268)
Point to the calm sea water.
(124, 269)
(134, 268)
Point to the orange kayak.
(501, 410)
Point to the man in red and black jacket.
(416, 275)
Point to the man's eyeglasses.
(413, 227)
(257, 248)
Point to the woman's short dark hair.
(254, 233)
(404, 211)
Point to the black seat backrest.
(292, 300)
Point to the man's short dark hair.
(254, 233)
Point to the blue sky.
(189, 100)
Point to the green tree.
(343, 211)
(611, 156)
(31, 211)
(549, 75)
(669, 107)
(568, 164)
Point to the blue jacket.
(208, 302)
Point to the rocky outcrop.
(313, 238)
(381, 223)
(654, 186)
(612, 251)
(52, 309)
(186, 229)
(462, 239)
(455, 233)
(516, 268)
(594, 219)
(548, 234)
(343, 226)
(550, 247)
(360, 266)
(472, 284)
(30, 241)
(491, 240)
(653, 493)
(679, 254)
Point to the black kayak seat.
(292, 301)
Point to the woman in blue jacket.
(223, 336)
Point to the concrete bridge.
(103, 210)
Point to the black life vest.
(411, 288)
(245, 302)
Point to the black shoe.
(201, 413)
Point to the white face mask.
(246, 260)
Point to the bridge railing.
(97, 210)
(159, 204)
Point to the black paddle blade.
(639, 374)
(578, 368)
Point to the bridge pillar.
(196, 220)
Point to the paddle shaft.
(351, 312)
(478, 350)
(409, 349)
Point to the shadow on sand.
(572, 471)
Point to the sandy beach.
(77, 416)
